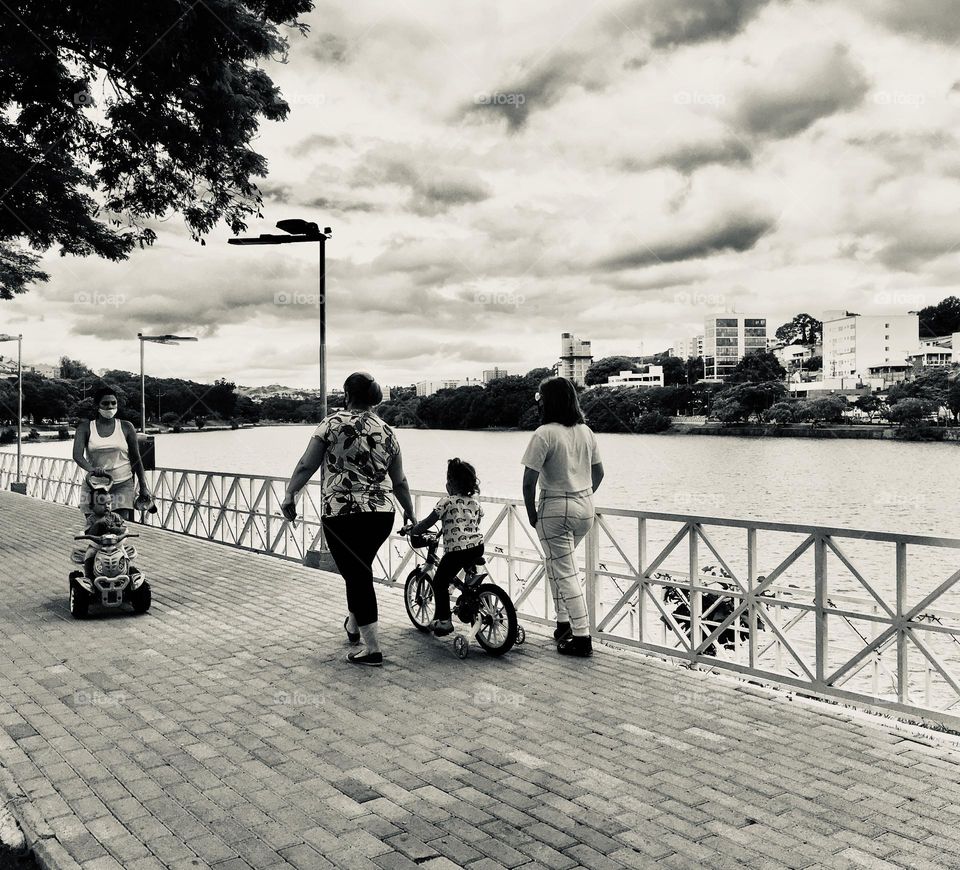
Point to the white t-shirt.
(563, 455)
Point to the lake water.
(877, 485)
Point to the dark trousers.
(354, 540)
(452, 562)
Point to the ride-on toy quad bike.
(115, 580)
(484, 607)
(109, 578)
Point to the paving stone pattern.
(225, 729)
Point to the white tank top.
(110, 452)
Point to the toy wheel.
(141, 598)
(79, 601)
(498, 619)
(521, 635)
(418, 599)
(460, 646)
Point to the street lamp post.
(303, 231)
(156, 339)
(19, 340)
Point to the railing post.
(591, 558)
(268, 507)
(903, 673)
(644, 586)
(751, 607)
(693, 579)
(511, 520)
(820, 602)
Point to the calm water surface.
(881, 485)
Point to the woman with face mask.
(105, 445)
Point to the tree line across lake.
(755, 392)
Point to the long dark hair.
(559, 402)
(463, 476)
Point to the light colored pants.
(563, 521)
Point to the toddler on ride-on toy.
(102, 520)
(110, 577)
(460, 514)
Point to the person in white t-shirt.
(564, 458)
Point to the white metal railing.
(829, 611)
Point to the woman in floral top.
(358, 452)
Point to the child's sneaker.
(441, 627)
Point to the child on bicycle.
(460, 514)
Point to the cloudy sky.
(498, 173)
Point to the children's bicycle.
(484, 607)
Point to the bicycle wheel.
(418, 599)
(498, 619)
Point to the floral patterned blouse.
(360, 449)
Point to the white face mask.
(109, 413)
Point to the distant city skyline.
(487, 193)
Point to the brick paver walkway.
(224, 729)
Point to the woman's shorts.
(121, 497)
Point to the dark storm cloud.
(807, 83)
(539, 88)
(316, 142)
(339, 205)
(738, 233)
(434, 187)
(936, 20)
(328, 48)
(664, 23)
(916, 248)
(276, 191)
(682, 22)
(690, 157)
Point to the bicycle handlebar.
(98, 539)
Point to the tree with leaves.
(114, 113)
(608, 365)
(870, 405)
(757, 367)
(940, 319)
(695, 369)
(803, 329)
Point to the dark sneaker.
(441, 627)
(562, 631)
(576, 646)
(373, 660)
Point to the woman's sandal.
(353, 637)
(374, 660)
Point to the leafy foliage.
(601, 369)
(940, 319)
(756, 368)
(803, 329)
(116, 112)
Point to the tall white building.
(727, 339)
(428, 388)
(855, 343)
(575, 358)
(688, 347)
(494, 373)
